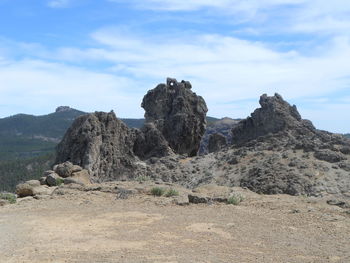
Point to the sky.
(99, 55)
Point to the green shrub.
(9, 197)
(235, 199)
(59, 181)
(157, 191)
(171, 192)
(143, 178)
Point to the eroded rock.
(151, 143)
(178, 113)
(275, 115)
(101, 144)
(217, 141)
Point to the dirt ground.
(97, 227)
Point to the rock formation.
(109, 150)
(178, 113)
(150, 143)
(275, 115)
(217, 141)
(63, 109)
(273, 151)
(100, 143)
(291, 154)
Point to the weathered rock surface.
(274, 151)
(178, 113)
(100, 143)
(275, 115)
(217, 141)
(27, 188)
(151, 143)
(52, 179)
(82, 177)
(278, 127)
(32, 188)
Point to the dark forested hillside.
(26, 136)
(50, 126)
(15, 171)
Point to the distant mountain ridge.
(49, 126)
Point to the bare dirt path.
(95, 227)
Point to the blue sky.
(105, 54)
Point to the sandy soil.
(97, 227)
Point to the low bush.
(59, 181)
(157, 191)
(171, 192)
(235, 199)
(9, 197)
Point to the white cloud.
(222, 69)
(37, 87)
(307, 16)
(240, 69)
(58, 3)
(231, 5)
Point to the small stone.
(198, 199)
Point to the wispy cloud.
(307, 16)
(46, 85)
(58, 3)
(222, 69)
(298, 48)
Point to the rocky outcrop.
(278, 125)
(217, 141)
(274, 151)
(100, 143)
(288, 154)
(109, 150)
(274, 116)
(178, 113)
(63, 109)
(150, 143)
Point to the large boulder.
(178, 113)
(27, 188)
(32, 188)
(101, 144)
